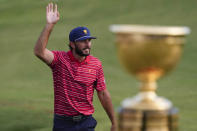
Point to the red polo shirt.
(74, 83)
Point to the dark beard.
(80, 52)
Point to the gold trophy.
(148, 52)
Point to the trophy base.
(147, 101)
(148, 120)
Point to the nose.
(88, 43)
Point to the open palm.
(52, 14)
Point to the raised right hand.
(52, 14)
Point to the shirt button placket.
(77, 68)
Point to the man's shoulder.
(61, 55)
(59, 52)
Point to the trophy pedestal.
(147, 100)
(148, 120)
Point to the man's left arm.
(105, 99)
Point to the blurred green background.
(26, 88)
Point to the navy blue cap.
(80, 33)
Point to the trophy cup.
(148, 52)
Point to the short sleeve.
(100, 80)
(55, 59)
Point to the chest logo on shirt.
(89, 70)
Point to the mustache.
(86, 48)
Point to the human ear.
(72, 44)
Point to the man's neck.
(78, 57)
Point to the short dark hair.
(70, 47)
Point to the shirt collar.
(73, 59)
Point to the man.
(75, 74)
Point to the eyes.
(87, 40)
(84, 41)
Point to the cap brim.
(85, 38)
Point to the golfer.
(76, 74)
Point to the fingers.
(56, 8)
(47, 9)
(50, 8)
(58, 14)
